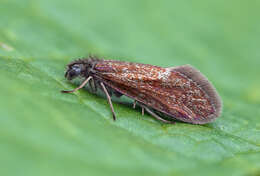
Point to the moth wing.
(153, 100)
(204, 83)
(143, 84)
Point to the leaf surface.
(44, 132)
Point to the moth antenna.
(204, 83)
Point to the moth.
(181, 93)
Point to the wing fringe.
(205, 84)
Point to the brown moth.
(182, 93)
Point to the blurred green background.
(44, 132)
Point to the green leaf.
(44, 132)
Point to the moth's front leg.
(81, 86)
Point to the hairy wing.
(181, 92)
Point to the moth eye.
(73, 72)
(76, 70)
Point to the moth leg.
(156, 116)
(109, 90)
(95, 85)
(91, 85)
(82, 85)
(109, 100)
(134, 104)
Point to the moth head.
(81, 67)
(74, 71)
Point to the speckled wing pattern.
(180, 92)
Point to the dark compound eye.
(73, 72)
(76, 69)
